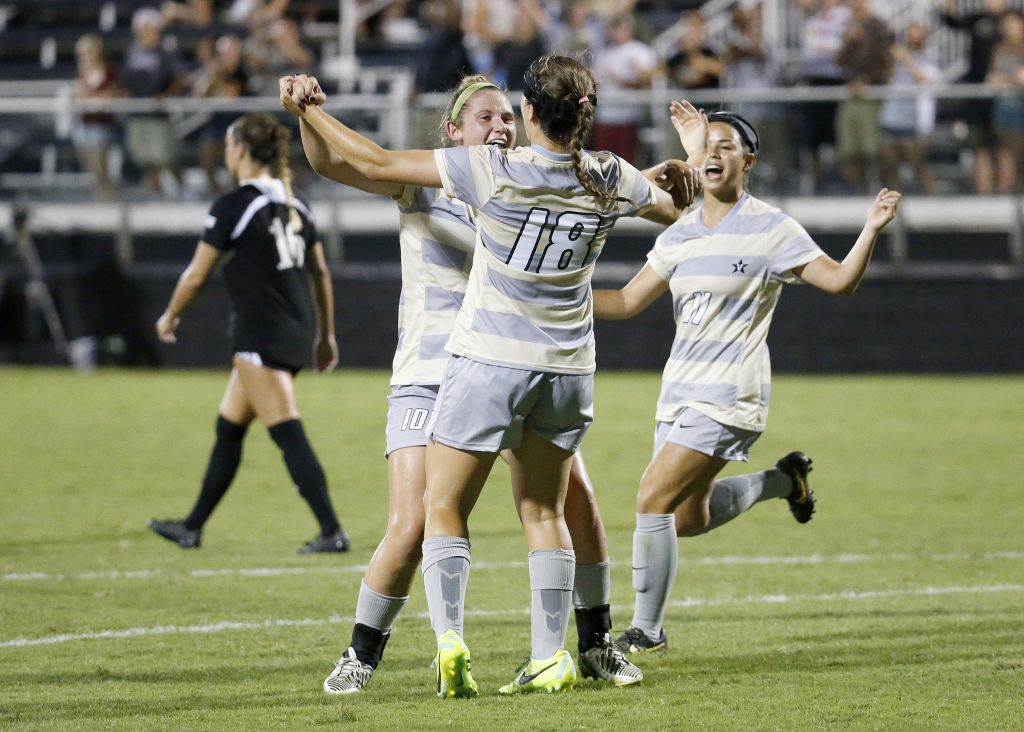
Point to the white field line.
(689, 602)
(361, 568)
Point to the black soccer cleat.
(175, 531)
(635, 640)
(801, 500)
(333, 544)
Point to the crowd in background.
(849, 145)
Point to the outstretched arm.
(681, 181)
(843, 278)
(410, 167)
(189, 285)
(326, 347)
(646, 287)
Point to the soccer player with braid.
(277, 324)
(725, 263)
(520, 377)
(437, 237)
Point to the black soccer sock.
(592, 623)
(220, 471)
(306, 472)
(368, 643)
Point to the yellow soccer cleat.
(452, 665)
(557, 673)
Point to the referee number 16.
(566, 246)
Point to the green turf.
(898, 607)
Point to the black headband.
(747, 132)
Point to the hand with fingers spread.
(691, 125)
(883, 209)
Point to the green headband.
(469, 91)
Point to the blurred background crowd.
(927, 95)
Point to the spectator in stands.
(748, 65)
(513, 57)
(221, 77)
(824, 26)
(694, 63)
(152, 72)
(487, 24)
(907, 121)
(579, 33)
(443, 60)
(623, 63)
(983, 29)
(1007, 71)
(273, 49)
(866, 59)
(196, 13)
(95, 132)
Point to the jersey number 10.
(570, 236)
(291, 249)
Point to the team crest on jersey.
(740, 267)
(211, 221)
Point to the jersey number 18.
(570, 236)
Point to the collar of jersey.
(550, 154)
(733, 212)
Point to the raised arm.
(691, 125)
(326, 347)
(410, 167)
(843, 278)
(645, 287)
(188, 287)
(681, 181)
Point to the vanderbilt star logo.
(740, 267)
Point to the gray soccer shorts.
(699, 432)
(409, 408)
(484, 407)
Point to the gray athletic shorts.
(409, 408)
(699, 432)
(484, 407)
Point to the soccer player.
(725, 263)
(274, 254)
(521, 374)
(437, 236)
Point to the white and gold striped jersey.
(437, 236)
(539, 232)
(725, 283)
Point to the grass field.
(901, 606)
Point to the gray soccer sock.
(592, 585)
(732, 496)
(551, 579)
(376, 610)
(655, 558)
(445, 574)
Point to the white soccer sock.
(376, 610)
(445, 574)
(732, 496)
(655, 558)
(551, 579)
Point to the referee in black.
(273, 253)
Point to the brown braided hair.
(269, 142)
(563, 93)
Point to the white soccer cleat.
(349, 675)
